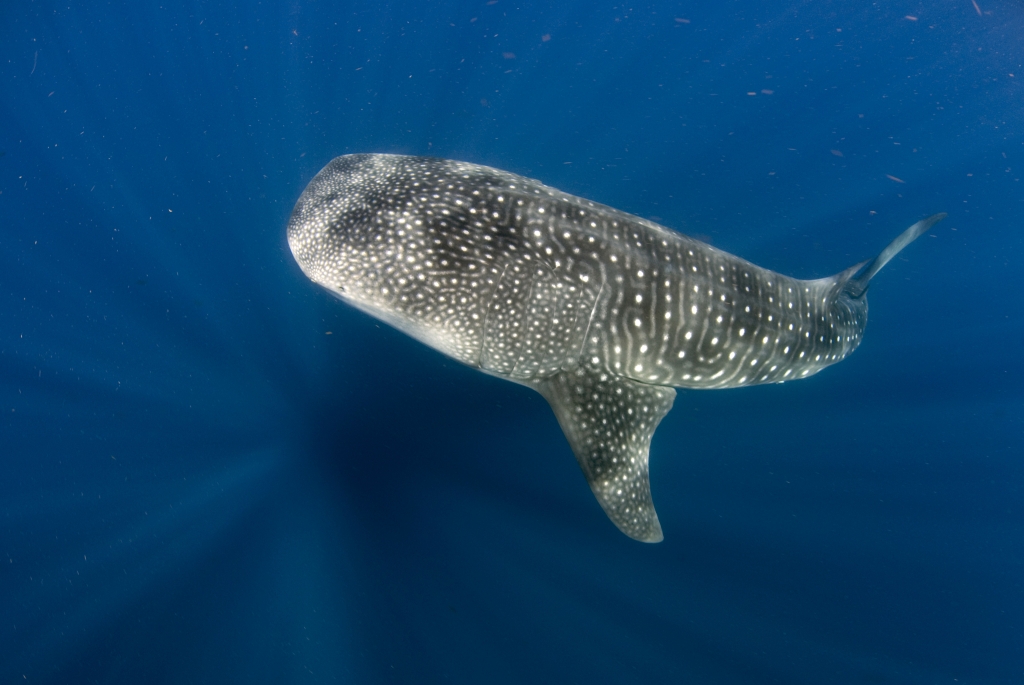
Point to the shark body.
(602, 312)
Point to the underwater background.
(212, 471)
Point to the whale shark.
(601, 312)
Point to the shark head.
(380, 233)
(337, 232)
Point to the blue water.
(199, 485)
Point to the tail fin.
(857, 282)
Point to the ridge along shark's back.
(600, 311)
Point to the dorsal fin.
(857, 282)
(609, 422)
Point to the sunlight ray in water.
(212, 470)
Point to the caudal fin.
(857, 283)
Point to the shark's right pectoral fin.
(609, 422)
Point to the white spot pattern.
(550, 290)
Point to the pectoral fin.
(609, 422)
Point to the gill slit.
(526, 323)
(593, 310)
(487, 313)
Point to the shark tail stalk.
(849, 306)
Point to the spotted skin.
(600, 311)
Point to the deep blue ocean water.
(199, 485)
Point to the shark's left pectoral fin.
(609, 422)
